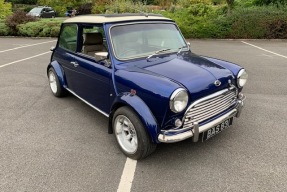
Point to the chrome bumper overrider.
(175, 135)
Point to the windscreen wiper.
(157, 52)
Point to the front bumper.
(182, 134)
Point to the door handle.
(74, 63)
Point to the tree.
(229, 6)
(30, 2)
(6, 9)
(165, 3)
(268, 2)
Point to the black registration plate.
(216, 129)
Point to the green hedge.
(257, 23)
(41, 28)
(4, 30)
(196, 21)
(199, 20)
(206, 21)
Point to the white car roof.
(112, 18)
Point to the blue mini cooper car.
(138, 71)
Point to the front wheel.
(131, 134)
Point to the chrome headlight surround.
(242, 78)
(178, 100)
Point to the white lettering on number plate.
(217, 129)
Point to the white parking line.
(7, 64)
(26, 46)
(265, 50)
(127, 176)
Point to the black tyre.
(54, 83)
(131, 135)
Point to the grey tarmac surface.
(52, 144)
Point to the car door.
(50, 12)
(65, 54)
(47, 13)
(85, 77)
(93, 82)
(44, 13)
(93, 78)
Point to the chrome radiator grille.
(209, 106)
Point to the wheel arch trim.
(141, 109)
(59, 72)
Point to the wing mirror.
(52, 48)
(100, 56)
(103, 57)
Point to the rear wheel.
(54, 83)
(131, 134)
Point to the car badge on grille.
(217, 83)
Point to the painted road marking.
(26, 46)
(127, 176)
(7, 64)
(265, 50)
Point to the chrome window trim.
(134, 23)
(105, 114)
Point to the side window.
(94, 29)
(68, 37)
(93, 39)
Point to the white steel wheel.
(131, 134)
(53, 82)
(126, 134)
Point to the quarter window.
(68, 37)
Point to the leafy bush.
(85, 9)
(41, 28)
(197, 20)
(207, 21)
(4, 30)
(19, 17)
(5, 9)
(100, 6)
(24, 7)
(258, 22)
(27, 8)
(277, 29)
(119, 6)
(269, 2)
(31, 2)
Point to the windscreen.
(141, 39)
(36, 10)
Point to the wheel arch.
(137, 105)
(60, 73)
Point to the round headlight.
(242, 78)
(178, 100)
